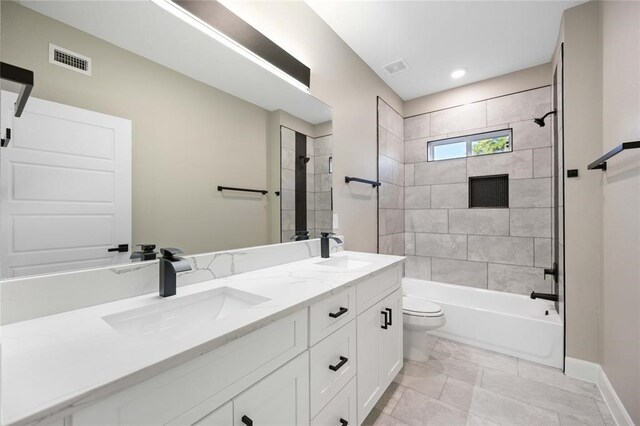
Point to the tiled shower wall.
(500, 249)
(319, 214)
(391, 172)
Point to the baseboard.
(583, 370)
(592, 372)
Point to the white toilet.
(419, 316)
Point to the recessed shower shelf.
(601, 163)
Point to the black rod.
(601, 163)
(355, 179)
(21, 76)
(229, 188)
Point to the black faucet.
(146, 252)
(300, 236)
(324, 243)
(170, 265)
(546, 296)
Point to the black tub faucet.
(324, 243)
(170, 265)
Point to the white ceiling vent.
(396, 66)
(70, 60)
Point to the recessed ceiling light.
(458, 73)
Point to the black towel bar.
(229, 188)
(601, 163)
(373, 183)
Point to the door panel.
(391, 341)
(368, 365)
(65, 189)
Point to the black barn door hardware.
(22, 76)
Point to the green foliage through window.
(490, 146)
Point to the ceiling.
(487, 38)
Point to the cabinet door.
(391, 339)
(280, 399)
(369, 325)
(223, 416)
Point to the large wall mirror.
(135, 120)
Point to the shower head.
(540, 121)
(304, 160)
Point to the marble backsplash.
(33, 297)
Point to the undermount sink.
(174, 316)
(344, 262)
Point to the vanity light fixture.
(459, 73)
(191, 19)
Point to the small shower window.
(470, 145)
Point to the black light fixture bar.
(21, 76)
(373, 183)
(229, 188)
(601, 163)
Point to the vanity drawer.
(328, 315)
(373, 289)
(332, 364)
(342, 407)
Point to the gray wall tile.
(287, 138)
(517, 164)
(519, 106)
(321, 164)
(418, 267)
(409, 243)
(390, 119)
(517, 279)
(323, 201)
(531, 222)
(390, 145)
(528, 135)
(391, 170)
(472, 116)
(311, 182)
(473, 274)
(409, 175)
(392, 244)
(417, 197)
(288, 180)
(288, 220)
(417, 127)
(434, 172)
(479, 221)
(542, 162)
(450, 196)
(433, 221)
(391, 196)
(288, 200)
(391, 221)
(323, 146)
(446, 246)
(415, 151)
(530, 193)
(288, 159)
(542, 250)
(311, 201)
(324, 221)
(509, 250)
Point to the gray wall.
(499, 249)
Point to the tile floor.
(465, 385)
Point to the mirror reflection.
(136, 124)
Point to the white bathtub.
(511, 324)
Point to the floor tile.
(472, 354)
(416, 409)
(378, 418)
(390, 398)
(421, 379)
(453, 367)
(555, 377)
(493, 406)
(579, 407)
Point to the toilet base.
(416, 345)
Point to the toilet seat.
(419, 307)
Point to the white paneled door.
(65, 188)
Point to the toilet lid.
(419, 306)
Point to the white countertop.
(60, 363)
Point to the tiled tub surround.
(33, 297)
(445, 241)
(465, 385)
(319, 214)
(62, 363)
(391, 172)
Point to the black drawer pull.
(386, 319)
(343, 422)
(342, 311)
(390, 315)
(343, 361)
(247, 421)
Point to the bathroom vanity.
(316, 341)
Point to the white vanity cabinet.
(327, 364)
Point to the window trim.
(469, 139)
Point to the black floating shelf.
(229, 188)
(601, 163)
(21, 76)
(368, 182)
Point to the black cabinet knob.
(247, 420)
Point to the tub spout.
(546, 296)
